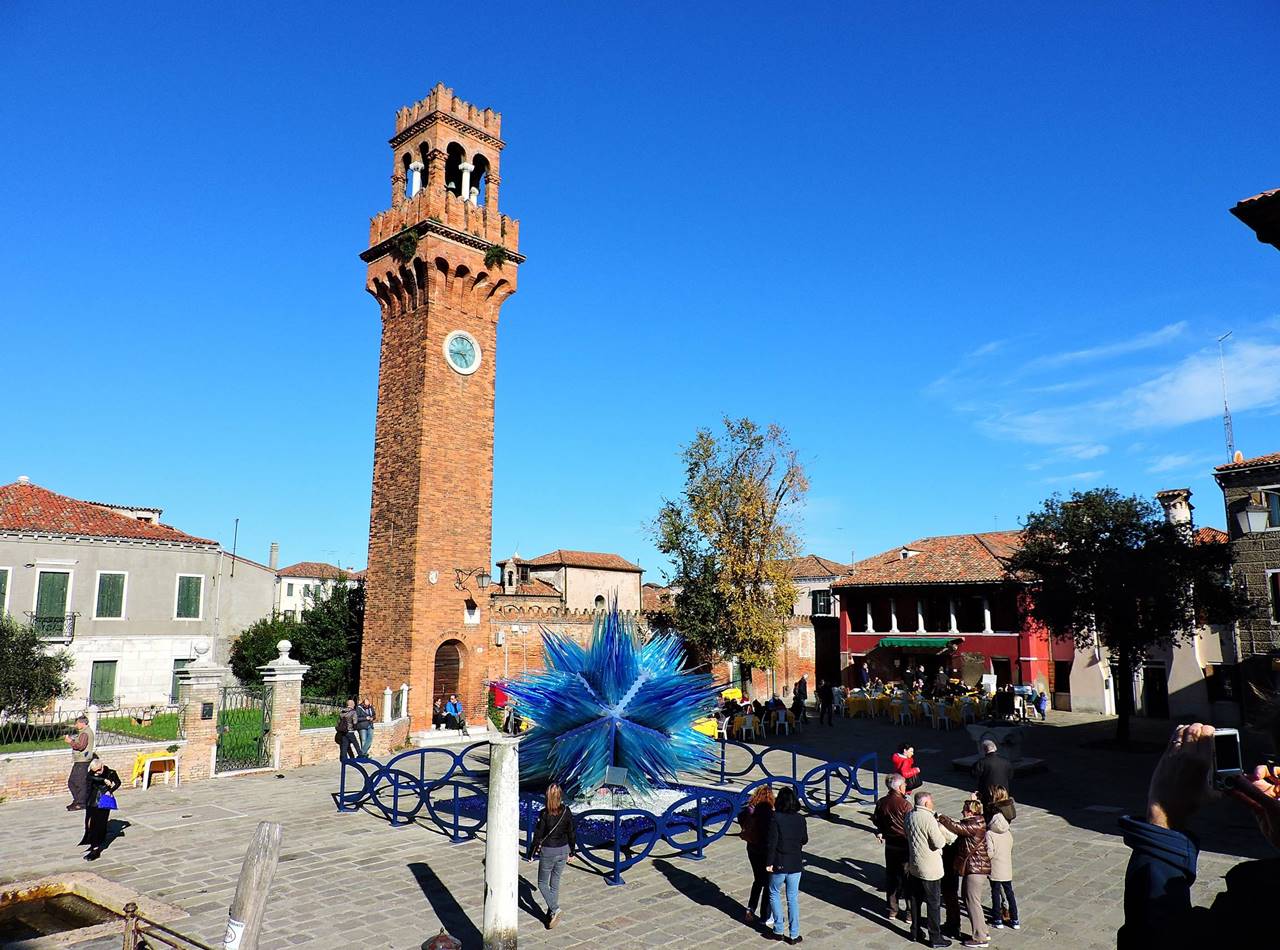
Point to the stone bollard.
(386, 705)
(502, 844)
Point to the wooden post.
(244, 919)
(130, 926)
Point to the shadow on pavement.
(452, 917)
(701, 890)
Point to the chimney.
(273, 560)
(1177, 506)
(24, 480)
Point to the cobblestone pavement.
(351, 881)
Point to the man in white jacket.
(925, 841)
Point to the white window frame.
(8, 589)
(288, 589)
(177, 586)
(124, 595)
(1272, 607)
(71, 586)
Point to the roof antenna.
(1226, 411)
(235, 537)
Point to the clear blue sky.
(967, 255)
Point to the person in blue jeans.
(553, 844)
(785, 850)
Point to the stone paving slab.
(352, 881)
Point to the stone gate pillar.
(200, 695)
(283, 677)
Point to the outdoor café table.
(856, 706)
(879, 705)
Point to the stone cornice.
(453, 122)
(444, 231)
(8, 535)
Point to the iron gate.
(244, 722)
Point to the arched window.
(479, 177)
(599, 601)
(455, 158)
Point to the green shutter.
(173, 689)
(51, 595)
(110, 595)
(189, 589)
(102, 683)
(4, 587)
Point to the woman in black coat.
(102, 780)
(787, 838)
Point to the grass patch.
(23, 737)
(314, 719)
(162, 726)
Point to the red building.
(943, 601)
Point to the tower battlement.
(435, 207)
(442, 99)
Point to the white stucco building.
(573, 580)
(126, 595)
(299, 585)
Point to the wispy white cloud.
(1075, 478)
(1192, 390)
(1135, 344)
(1171, 462)
(1187, 392)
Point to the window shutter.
(189, 589)
(110, 595)
(51, 596)
(4, 586)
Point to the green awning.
(925, 643)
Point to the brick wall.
(317, 745)
(44, 774)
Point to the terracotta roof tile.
(28, 507)
(655, 597)
(605, 562)
(1271, 459)
(532, 588)
(950, 559)
(1211, 535)
(317, 569)
(813, 566)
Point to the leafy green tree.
(31, 676)
(727, 536)
(327, 639)
(1104, 565)
(256, 646)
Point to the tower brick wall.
(432, 504)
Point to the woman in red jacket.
(904, 764)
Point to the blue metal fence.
(404, 789)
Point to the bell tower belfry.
(441, 262)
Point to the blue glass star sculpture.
(617, 703)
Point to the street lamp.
(1253, 516)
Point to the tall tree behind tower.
(729, 533)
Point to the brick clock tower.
(441, 262)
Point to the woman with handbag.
(755, 821)
(103, 782)
(553, 843)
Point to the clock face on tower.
(462, 352)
